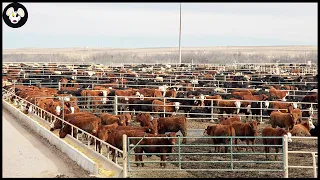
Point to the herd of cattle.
(147, 106)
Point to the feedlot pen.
(197, 158)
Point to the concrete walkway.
(26, 154)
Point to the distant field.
(215, 54)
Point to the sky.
(146, 25)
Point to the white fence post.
(59, 86)
(285, 156)
(116, 105)
(125, 156)
(314, 163)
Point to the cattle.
(173, 124)
(302, 129)
(220, 130)
(277, 132)
(297, 114)
(167, 139)
(278, 94)
(282, 107)
(200, 112)
(122, 120)
(57, 124)
(283, 120)
(260, 97)
(246, 129)
(311, 98)
(144, 119)
(90, 125)
(229, 121)
(214, 99)
(159, 106)
(227, 106)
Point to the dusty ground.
(26, 154)
(85, 52)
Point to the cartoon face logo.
(15, 15)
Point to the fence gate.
(198, 154)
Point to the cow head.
(238, 105)
(141, 97)
(176, 105)
(121, 121)
(153, 126)
(249, 109)
(266, 104)
(294, 105)
(310, 110)
(289, 137)
(311, 126)
(58, 110)
(254, 126)
(66, 129)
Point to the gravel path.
(26, 154)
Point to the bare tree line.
(196, 57)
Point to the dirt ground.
(294, 159)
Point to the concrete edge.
(104, 162)
(74, 154)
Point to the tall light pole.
(180, 38)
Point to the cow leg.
(136, 158)
(184, 133)
(276, 156)
(266, 149)
(248, 143)
(140, 158)
(253, 142)
(163, 158)
(236, 143)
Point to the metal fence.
(121, 107)
(50, 118)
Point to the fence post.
(285, 156)
(59, 85)
(164, 107)
(231, 155)
(212, 110)
(314, 165)
(179, 155)
(125, 156)
(261, 112)
(116, 105)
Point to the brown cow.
(207, 101)
(302, 129)
(108, 119)
(297, 114)
(280, 105)
(230, 120)
(173, 124)
(103, 133)
(90, 125)
(220, 130)
(269, 131)
(158, 106)
(57, 124)
(281, 95)
(246, 129)
(167, 139)
(283, 120)
(261, 97)
(228, 104)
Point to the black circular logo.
(15, 15)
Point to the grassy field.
(217, 54)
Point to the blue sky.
(138, 25)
